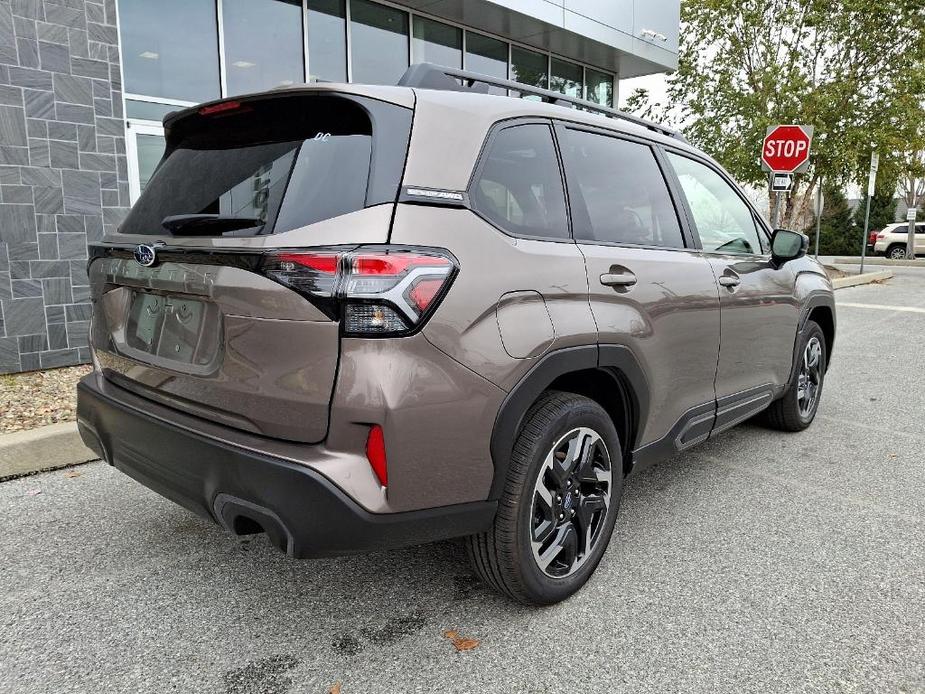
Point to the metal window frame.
(305, 69)
(222, 68)
(466, 30)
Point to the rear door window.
(626, 198)
(519, 185)
(263, 167)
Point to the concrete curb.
(878, 260)
(46, 448)
(866, 278)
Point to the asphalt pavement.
(757, 562)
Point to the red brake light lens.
(322, 262)
(219, 108)
(395, 264)
(375, 454)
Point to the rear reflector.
(377, 291)
(375, 453)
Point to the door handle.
(729, 281)
(615, 279)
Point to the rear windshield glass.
(263, 167)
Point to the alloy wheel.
(810, 379)
(898, 253)
(571, 498)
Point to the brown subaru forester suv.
(355, 317)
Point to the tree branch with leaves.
(854, 69)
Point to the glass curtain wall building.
(228, 47)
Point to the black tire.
(504, 556)
(899, 249)
(789, 413)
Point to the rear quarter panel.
(493, 265)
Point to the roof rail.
(431, 76)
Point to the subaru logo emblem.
(145, 255)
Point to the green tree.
(854, 69)
(882, 207)
(837, 235)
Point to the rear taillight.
(881, 235)
(382, 290)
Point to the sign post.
(785, 151)
(911, 215)
(871, 184)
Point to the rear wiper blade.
(208, 224)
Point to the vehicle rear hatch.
(186, 313)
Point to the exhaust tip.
(241, 517)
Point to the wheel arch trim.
(815, 299)
(613, 361)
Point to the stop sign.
(786, 148)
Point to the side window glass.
(624, 192)
(723, 220)
(519, 188)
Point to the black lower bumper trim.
(302, 511)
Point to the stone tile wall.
(63, 177)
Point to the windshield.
(264, 167)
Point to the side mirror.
(788, 245)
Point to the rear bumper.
(302, 512)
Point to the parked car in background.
(892, 241)
(324, 324)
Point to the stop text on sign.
(786, 148)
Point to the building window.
(487, 56)
(150, 151)
(148, 110)
(263, 44)
(170, 48)
(599, 87)
(530, 68)
(379, 42)
(327, 40)
(566, 78)
(434, 42)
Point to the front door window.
(724, 221)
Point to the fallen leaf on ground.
(72, 474)
(335, 689)
(461, 643)
(33, 492)
(465, 644)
